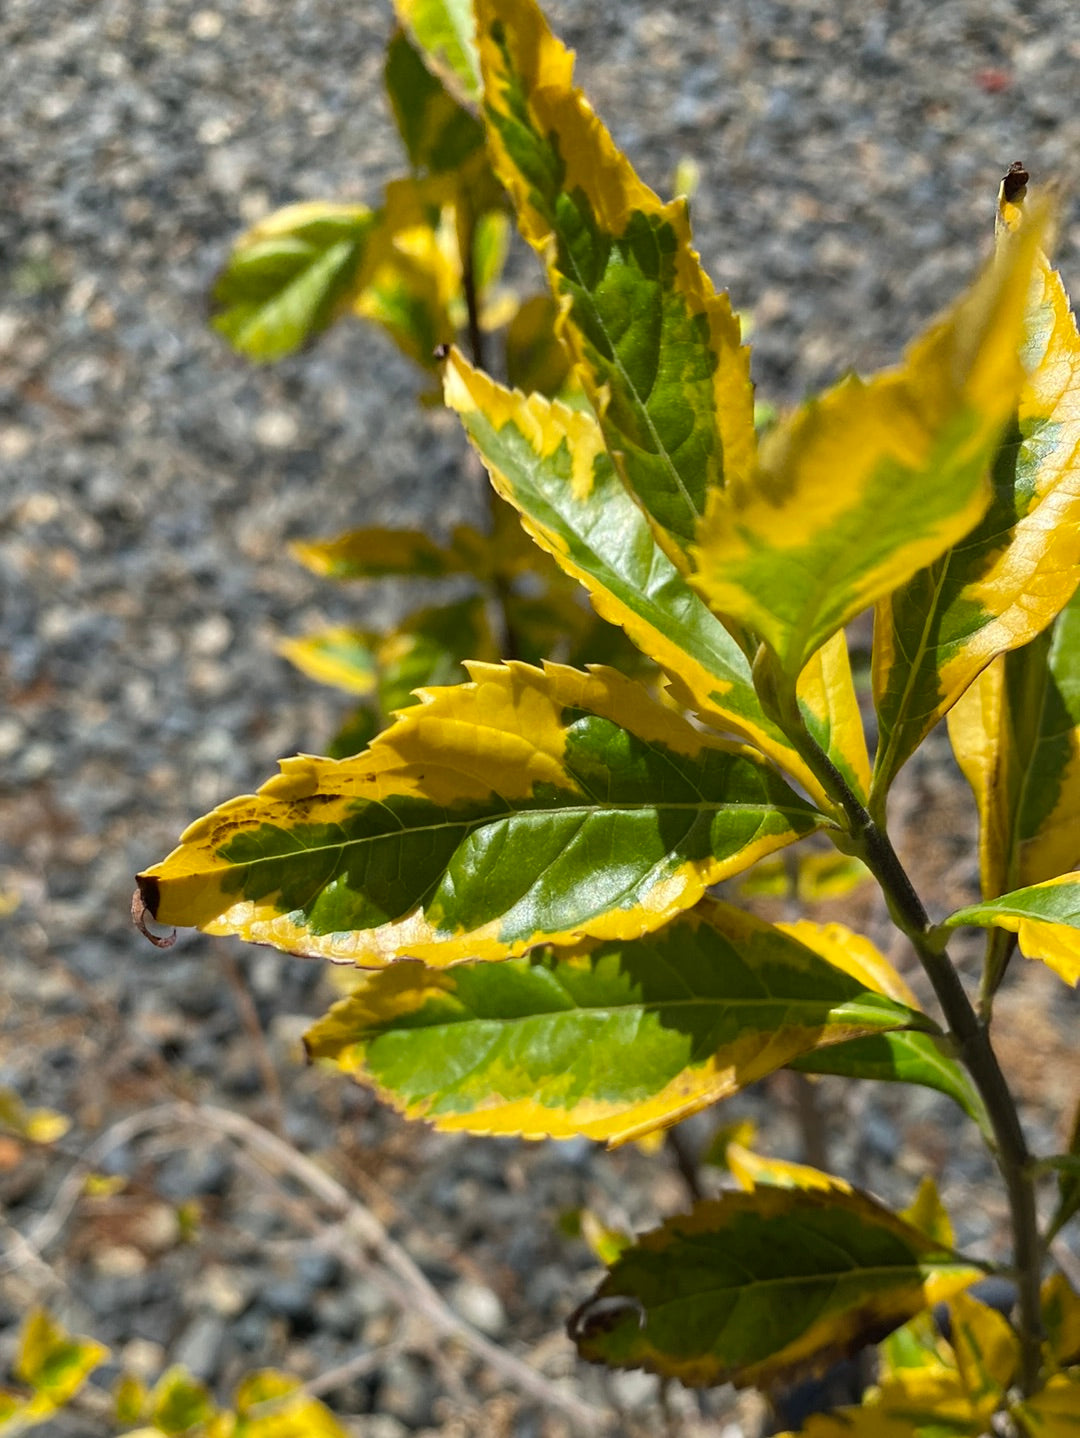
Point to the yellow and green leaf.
(610, 1041)
(291, 275)
(375, 553)
(180, 1402)
(867, 484)
(339, 656)
(928, 1214)
(53, 1362)
(525, 807)
(1053, 1412)
(537, 362)
(439, 133)
(551, 464)
(274, 1405)
(765, 1286)
(1061, 1321)
(1016, 736)
(445, 31)
(657, 350)
(1044, 917)
(1017, 568)
(39, 1125)
(750, 1170)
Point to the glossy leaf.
(524, 807)
(340, 656)
(1045, 918)
(1016, 569)
(766, 1286)
(551, 464)
(439, 133)
(901, 1058)
(53, 1362)
(610, 1042)
(657, 349)
(375, 553)
(1016, 736)
(867, 484)
(446, 33)
(291, 275)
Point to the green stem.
(969, 1032)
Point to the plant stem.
(969, 1032)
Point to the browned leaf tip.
(143, 902)
(1015, 182)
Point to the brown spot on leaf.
(1015, 182)
(145, 901)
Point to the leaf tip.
(145, 900)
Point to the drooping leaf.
(439, 133)
(445, 31)
(901, 1058)
(657, 350)
(867, 484)
(375, 553)
(1016, 569)
(764, 1286)
(612, 1041)
(291, 275)
(1016, 736)
(1054, 1412)
(1044, 917)
(53, 1362)
(551, 464)
(339, 656)
(525, 807)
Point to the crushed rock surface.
(849, 157)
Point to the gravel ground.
(849, 157)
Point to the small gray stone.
(200, 1346)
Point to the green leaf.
(375, 553)
(1060, 1304)
(1015, 570)
(523, 807)
(446, 33)
(291, 275)
(53, 1362)
(1016, 736)
(1044, 917)
(550, 464)
(180, 1402)
(867, 484)
(611, 1041)
(439, 134)
(656, 348)
(762, 1287)
(1069, 1183)
(274, 1405)
(901, 1058)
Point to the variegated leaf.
(765, 1286)
(1044, 917)
(867, 484)
(657, 349)
(525, 807)
(611, 1041)
(1017, 568)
